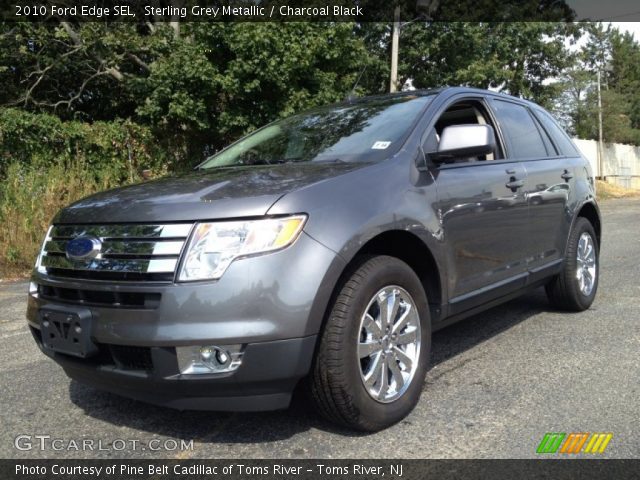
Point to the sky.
(631, 27)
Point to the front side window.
(363, 131)
(518, 124)
(466, 112)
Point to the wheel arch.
(590, 211)
(407, 247)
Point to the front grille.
(127, 253)
(122, 357)
(132, 358)
(98, 298)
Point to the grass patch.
(606, 191)
(29, 198)
(47, 163)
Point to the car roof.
(437, 91)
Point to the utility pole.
(395, 43)
(427, 6)
(600, 149)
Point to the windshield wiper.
(285, 160)
(330, 160)
(263, 163)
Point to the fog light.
(205, 359)
(206, 353)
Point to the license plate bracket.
(67, 330)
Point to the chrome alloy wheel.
(389, 344)
(586, 264)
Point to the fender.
(576, 213)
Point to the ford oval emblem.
(83, 248)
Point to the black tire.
(563, 290)
(336, 384)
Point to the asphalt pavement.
(498, 382)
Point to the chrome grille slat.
(129, 247)
(112, 264)
(128, 239)
(177, 230)
(129, 252)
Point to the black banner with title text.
(315, 10)
(238, 469)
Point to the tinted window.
(548, 143)
(363, 131)
(561, 139)
(519, 126)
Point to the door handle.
(514, 184)
(511, 171)
(566, 175)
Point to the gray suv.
(324, 247)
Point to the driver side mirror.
(460, 141)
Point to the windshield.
(363, 131)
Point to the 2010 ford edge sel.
(326, 246)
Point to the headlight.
(47, 237)
(213, 246)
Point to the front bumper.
(264, 381)
(272, 304)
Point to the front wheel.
(373, 353)
(574, 288)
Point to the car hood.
(201, 195)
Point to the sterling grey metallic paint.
(485, 246)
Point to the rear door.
(482, 211)
(551, 209)
(547, 187)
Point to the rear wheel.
(574, 288)
(372, 358)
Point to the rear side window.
(518, 124)
(560, 138)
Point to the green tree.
(199, 85)
(516, 58)
(616, 56)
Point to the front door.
(483, 215)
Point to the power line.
(619, 16)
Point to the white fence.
(620, 163)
